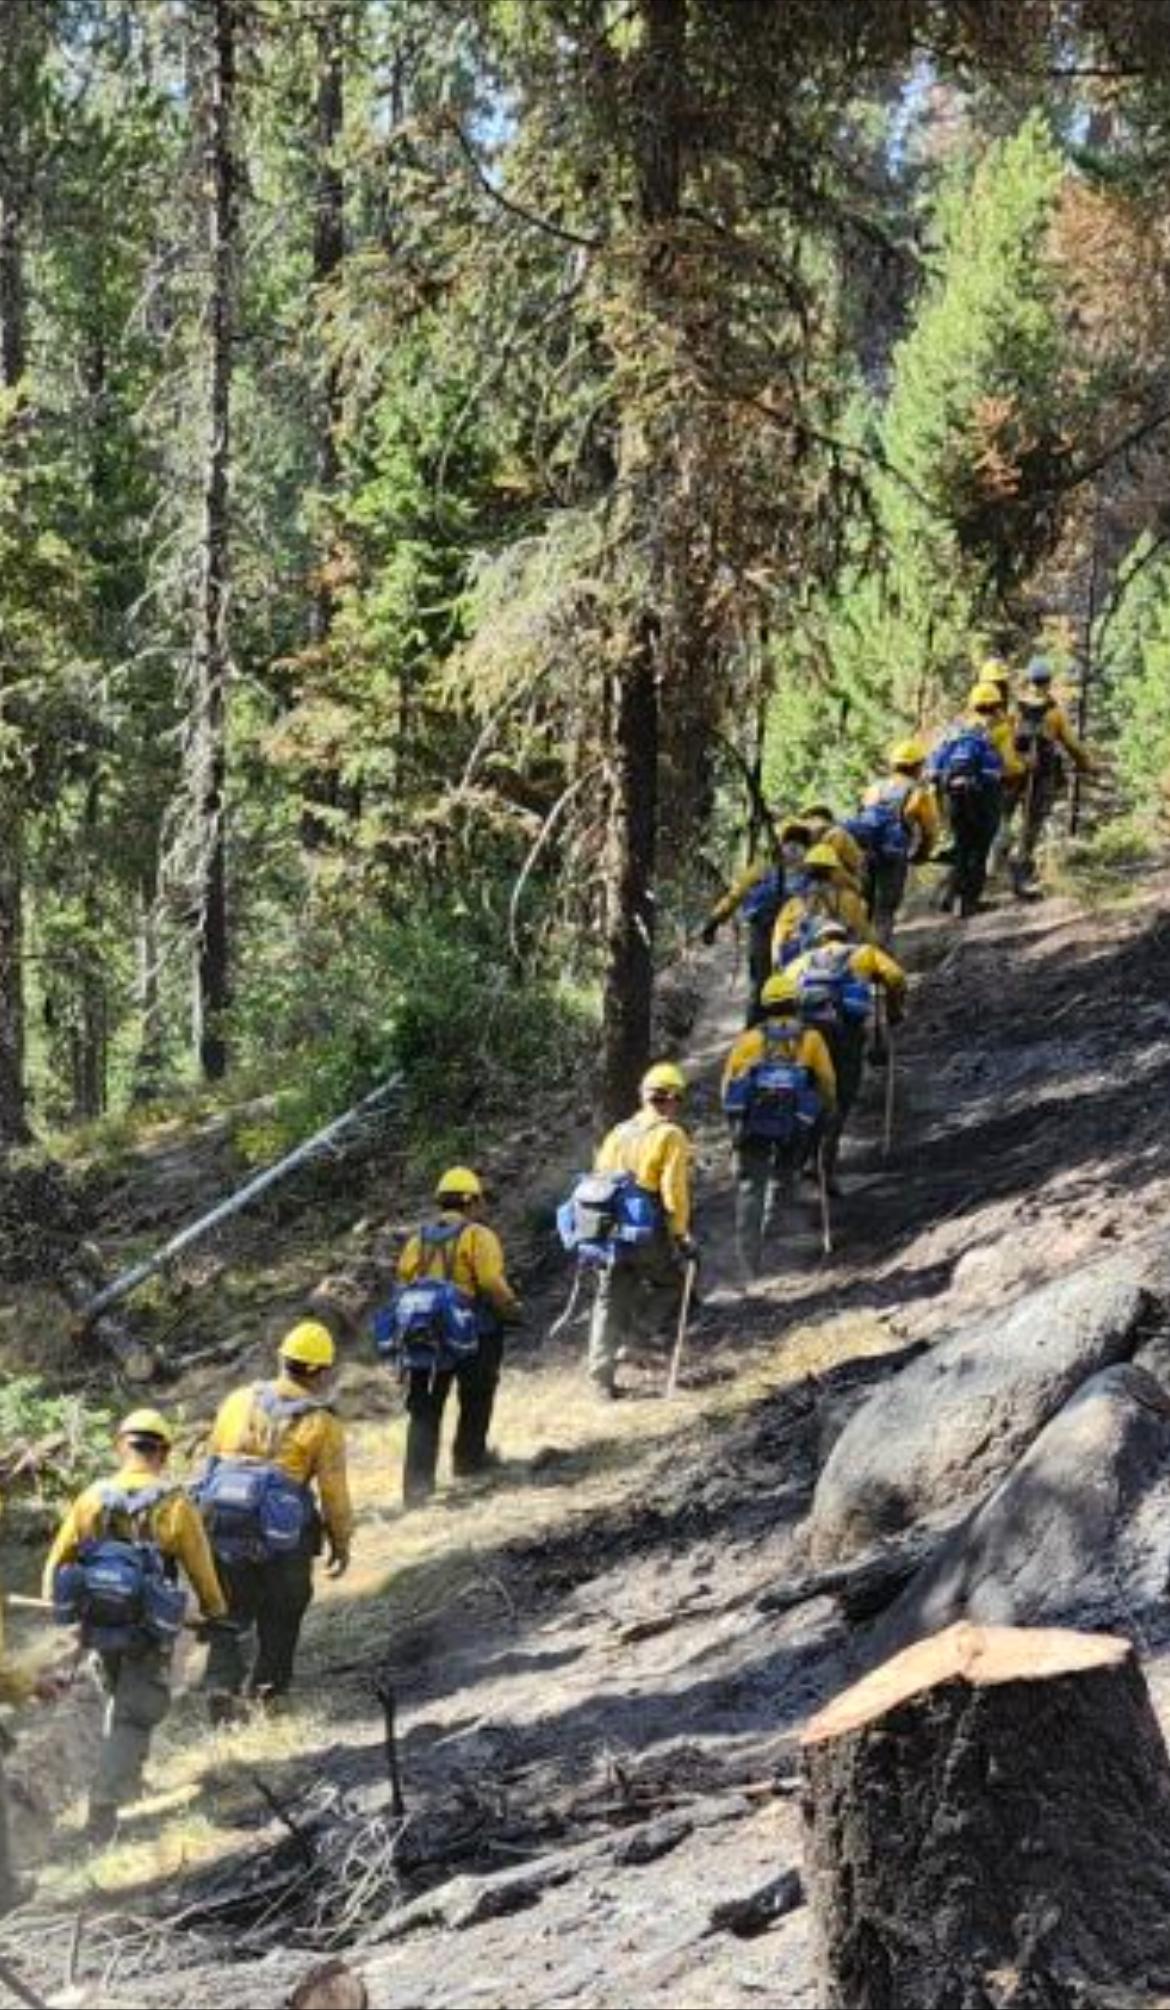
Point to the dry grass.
(569, 1455)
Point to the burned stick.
(282, 1815)
(20, 1989)
(388, 1699)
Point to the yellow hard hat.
(994, 671)
(985, 698)
(310, 1344)
(908, 754)
(822, 855)
(459, 1183)
(146, 1424)
(664, 1078)
(780, 989)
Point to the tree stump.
(988, 1821)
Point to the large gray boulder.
(1077, 1534)
(950, 1425)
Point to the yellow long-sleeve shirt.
(1002, 734)
(310, 1449)
(848, 850)
(919, 812)
(873, 965)
(658, 1155)
(740, 887)
(476, 1260)
(830, 903)
(806, 1047)
(175, 1526)
(1058, 726)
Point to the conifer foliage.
(433, 432)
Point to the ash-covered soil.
(597, 1716)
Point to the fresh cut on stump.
(988, 1822)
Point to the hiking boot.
(225, 1708)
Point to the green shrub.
(52, 1444)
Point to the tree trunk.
(13, 355)
(988, 1822)
(629, 977)
(322, 786)
(646, 472)
(328, 255)
(212, 653)
(92, 1031)
(148, 1063)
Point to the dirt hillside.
(597, 1700)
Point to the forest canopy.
(459, 459)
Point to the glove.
(708, 932)
(211, 1629)
(338, 1562)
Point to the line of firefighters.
(273, 1493)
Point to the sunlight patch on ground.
(568, 1454)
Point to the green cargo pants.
(638, 1296)
(138, 1684)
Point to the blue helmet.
(1039, 670)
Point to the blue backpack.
(118, 1590)
(966, 760)
(776, 1101)
(430, 1326)
(828, 993)
(803, 937)
(763, 901)
(880, 825)
(253, 1511)
(608, 1214)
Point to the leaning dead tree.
(989, 1823)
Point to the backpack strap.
(134, 1504)
(278, 1411)
(445, 1237)
(634, 1128)
(782, 1035)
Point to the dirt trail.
(596, 1714)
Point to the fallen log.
(993, 1801)
(757, 1910)
(867, 1584)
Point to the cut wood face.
(979, 1655)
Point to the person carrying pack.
(970, 767)
(444, 1326)
(897, 827)
(274, 1485)
(779, 1090)
(1043, 739)
(827, 896)
(837, 985)
(630, 1221)
(112, 1569)
(758, 895)
(824, 827)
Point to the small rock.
(330, 1986)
